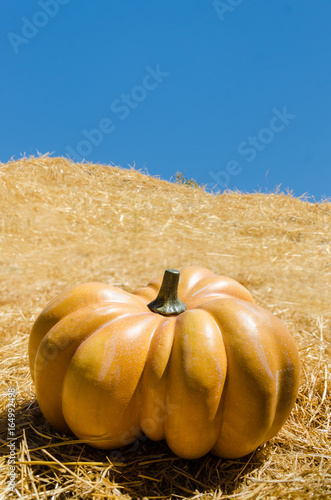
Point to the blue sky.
(231, 93)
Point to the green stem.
(167, 302)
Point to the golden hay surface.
(64, 223)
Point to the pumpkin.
(190, 359)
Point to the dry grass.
(62, 223)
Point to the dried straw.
(63, 223)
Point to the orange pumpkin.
(207, 370)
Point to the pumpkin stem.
(167, 302)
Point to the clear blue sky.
(231, 92)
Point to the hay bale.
(63, 223)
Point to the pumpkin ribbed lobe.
(155, 403)
(57, 349)
(108, 367)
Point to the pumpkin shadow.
(142, 469)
